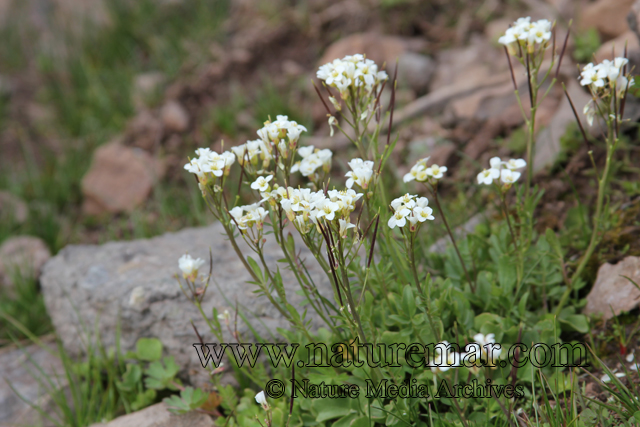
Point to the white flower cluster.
(361, 173)
(282, 134)
(597, 76)
(506, 171)
(210, 165)
(189, 266)
(527, 34)
(420, 172)
(312, 159)
(608, 75)
(304, 207)
(246, 217)
(409, 209)
(352, 71)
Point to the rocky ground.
(455, 102)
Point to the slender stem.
(593, 242)
(425, 301)
(506, 214)
(453, 240)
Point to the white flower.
(407, 201)
(345, 225)
(441, 363)
(262, 183)
(495, 162)
(508, 176)
(253, 215)
(593, 75)
(262, 400)
(327, 209)
(540, 31)
(514, 164)
(421, 214)
(361, 173)
(306, 151)
(399, 218)
(352, 71)
(189, 266)
(488, 175)
(488, 339)
(436, 171)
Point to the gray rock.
(16, 369)
(24, 255)
(548, 146)
(175, 117)
(87, 285)
(460, 232)
(158, 416)
(611, 293)
(416, 70)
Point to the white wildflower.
(262, 400)
(508, 176)
(189, 266)
(262, 183)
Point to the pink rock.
(611, 291)
(119, 180)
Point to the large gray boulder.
(95, 286)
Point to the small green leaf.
(329, 409)
(149, 349)
(256, 268)
(577, 322)
(189, 400)
(130, 379)
(408, 302)
(161, 376)
(507, 274)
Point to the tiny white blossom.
(514, 164)
(262, 400)
(436, 171)
(488, 175)
(262, 183)
(508, 176)
(189, 266)
(345, 225)
(399, 218)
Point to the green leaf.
(149, 349)
(360, 422)
(256, 268)
(329, 409)
(578, 322)
(143, 399)
(408, 302)
(130, 379)
(161, 376)
(507, 274)
(189, 400)
(553, 241)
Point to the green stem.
(453, 240)
(593, 242)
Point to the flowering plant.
(386, 287)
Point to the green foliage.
(586, 44)
(162, 375)
(189, 400)
(22, 308)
